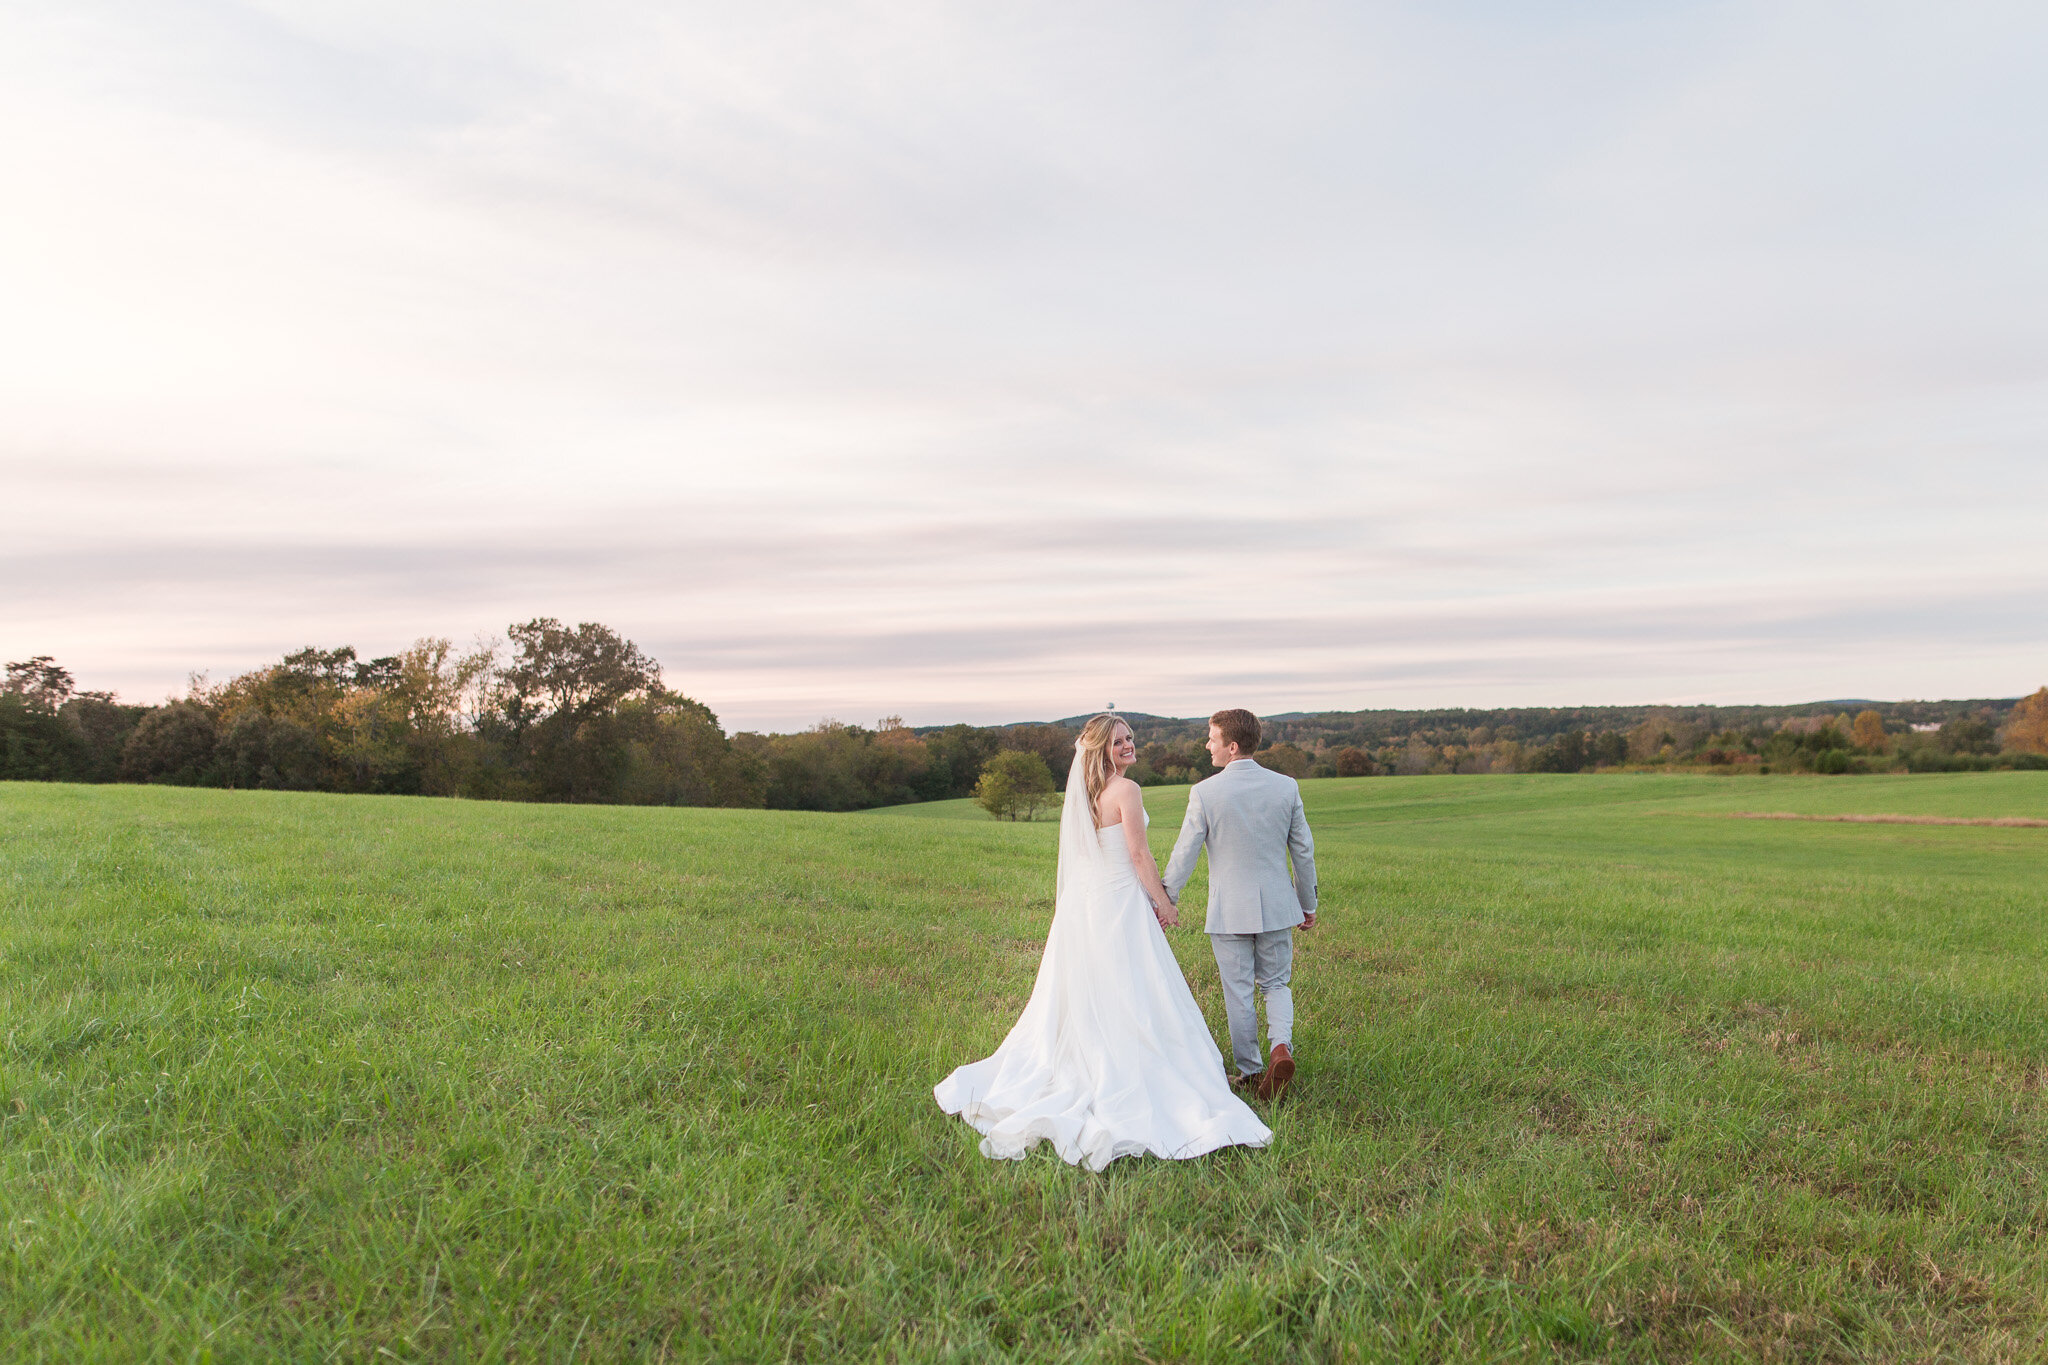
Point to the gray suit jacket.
(1252, 821)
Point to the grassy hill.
(1590, 1069)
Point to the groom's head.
(1232, 735)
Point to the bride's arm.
(1132, 804)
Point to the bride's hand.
(1166, 913)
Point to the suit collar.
(1237, 763)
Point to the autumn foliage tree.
(1290, 759)
(1867, 733)
(330, 719)
(575, 714)
(1354, 762)
(2027, 730)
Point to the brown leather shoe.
(1279, 1072)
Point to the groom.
(1252, 821)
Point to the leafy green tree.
(1015, 785)
(1608, 748)
(570, 675)
(1968, 734)
(40, 683)
(1183, 760)
(1568, 753)
(33, 745)
(899, 761)
(953, 761)
(308, 689)
(51, 731)
(1054, 744)
(257, 750)
(558, 680)
(665, 749)
(835, 766)
(172, 744)
(819, 769)
(98, 727)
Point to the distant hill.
(1541, 723)
(1373, 728)
(1133, 718)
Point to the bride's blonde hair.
(1096, 767)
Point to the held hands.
(1166, 912)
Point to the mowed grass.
(1589, 1071)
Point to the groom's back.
(1254, 826)
(1255, 804)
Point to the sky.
(1001, 361)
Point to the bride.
(1111, 1057)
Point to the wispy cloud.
(974, 364)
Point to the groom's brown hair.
(1238, 727)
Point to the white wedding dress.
(1111, 1056)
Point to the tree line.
(551, 713)
(1910, 736)
(562, 713)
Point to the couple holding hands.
(1111, 1056)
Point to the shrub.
(1831, 761)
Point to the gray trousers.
(1266, 961)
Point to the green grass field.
(1589, 1071)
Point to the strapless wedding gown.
(1111, 1056)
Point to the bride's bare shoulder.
(1118, 796)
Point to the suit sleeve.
(1301, 848)
(1194, 832)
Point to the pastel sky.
(996, 361)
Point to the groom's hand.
(1308, 919)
